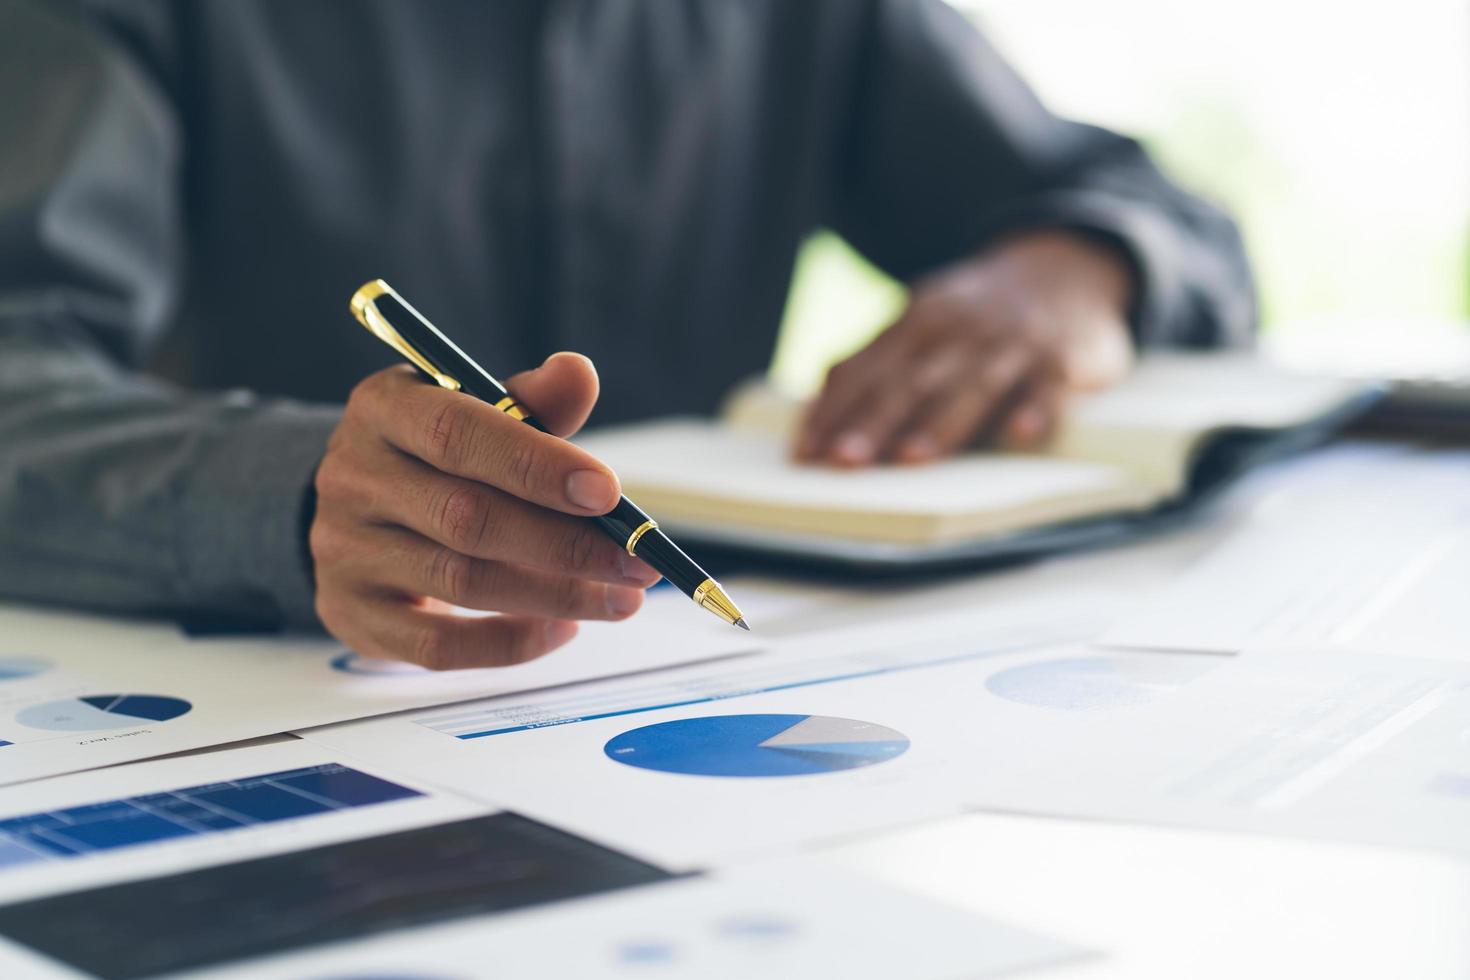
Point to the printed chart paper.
(494, 863)
(164, 831)
(77, 692)
(817, 739)
(790, 919)
(91, 829)
(1340, 745)
(1375, 561)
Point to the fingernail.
(622, 602)
(853, 447)
(636, 570)
(571, 353)
(559, 631)
(591, 490)
(1026, 426)
(918, 449)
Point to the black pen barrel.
(669, 559)
(392, 320)
(626, 520)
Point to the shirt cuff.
(241, 544)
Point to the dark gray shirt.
(190, 191)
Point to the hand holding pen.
(429, 498)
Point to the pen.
(379, 308)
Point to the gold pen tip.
(709, 595)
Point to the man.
(193, 190)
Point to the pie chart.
(100, 712)
(1100, 682)
(351, 663)
(757, 745)
(16, 668)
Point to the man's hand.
(429, 498)
(987, 351)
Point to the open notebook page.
(697, 472)
(1154, 421)
(1151, 424)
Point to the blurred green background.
(1337, 134)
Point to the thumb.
(560, 393)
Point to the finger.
(952, 419)
(483, 522)
(815, 430)
(937, 373)
(560, 393)
(850, 394)
(1035, 416)
(845, 385)
(463, 436)
(946, 367)
(399, 630)
(893, 354)
(866, 437)
(404, 562)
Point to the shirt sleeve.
(118, 491)
(947, 149)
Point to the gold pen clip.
(365, 308)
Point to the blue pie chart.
(352, 663)
(757, 745)
(101, 712)
(1118, 680)
(16, 668)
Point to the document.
(792, 919)
(494, 863)
(1376, 561)
(1123, 451)
(80, 691)
(747, 482)
(92, 829)
(277, 860)
(1347, 746)
(820, 737)
(830, 742)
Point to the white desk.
(1172, 904)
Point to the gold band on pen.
(513, 408)
(643, 529)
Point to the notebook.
(1424, 361)
(1179, 428)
